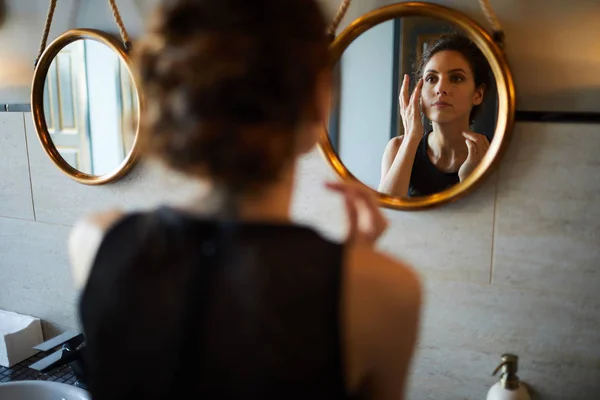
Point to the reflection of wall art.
(414, 35)
(423, 43)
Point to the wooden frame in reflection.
(502, 75)
(38, 96)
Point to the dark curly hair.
(469, 50)
(227, 84)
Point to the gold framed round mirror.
(465, 105)
(86, 106)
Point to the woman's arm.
(391, 149)
(396, 166)
(84, 241)
(395, 180)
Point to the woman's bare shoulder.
(394, 143)
(391, 149)
(85, 239)
(383, 299)
(389, 278)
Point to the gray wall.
(513, 267)
(366, 102)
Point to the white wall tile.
(463, 374)
(450, 242)
(547, 232)
(59, 199)
(15, 188)
(534, 325)
(35, 278)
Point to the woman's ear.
(478, 96)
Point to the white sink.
(41, 390)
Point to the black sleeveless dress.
(176, 304)
(425, 178)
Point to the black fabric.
(425, 178)
(175, 303)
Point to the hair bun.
(227, 84)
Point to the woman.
(453, 77)
(226, 297)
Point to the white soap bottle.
(509, 387)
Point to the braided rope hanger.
(488, 11)
(46, 29)
(485, 5)
(120, 24)
(338, 18)
(50, 16)
(491, 16)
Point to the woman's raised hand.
(410, 110)
(477, 145)
(366, 221)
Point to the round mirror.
(86, 106)
(423, 105)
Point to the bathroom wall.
(515, 267)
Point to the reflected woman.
(453, 77)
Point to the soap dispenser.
(509, 387)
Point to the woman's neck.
(447, 140)
(271, 203)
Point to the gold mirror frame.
(37, 104)
(506, 99)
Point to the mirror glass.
(455, 115)
(91, 107)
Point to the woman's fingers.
(416, 98)
(377, 223)
(480, 141)
(351, 207)
(352, 211)
(366, 221)
(404, 92)
(482, 145)
(475, 137)
(486, 144)
(471, 148)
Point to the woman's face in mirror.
(449, 92)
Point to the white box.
(18, 334)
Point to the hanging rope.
(338, 18)
(492, 18)
(46, 30)
(119, 21)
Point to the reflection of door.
(128, 108)
(65, 106)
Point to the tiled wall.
(38, 205)
(515, 267)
